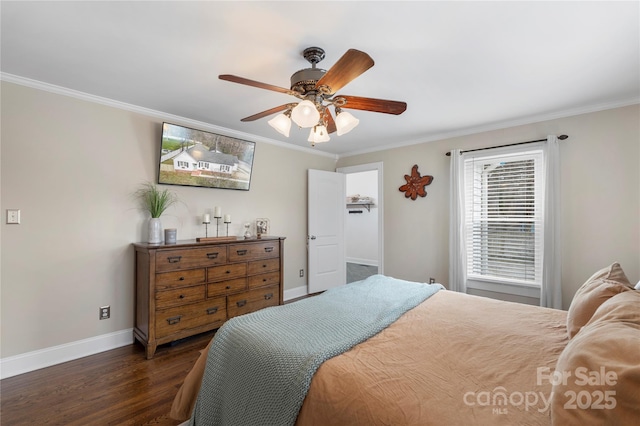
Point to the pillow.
(638, 286)
(624, 307)
(597, 376)
(601, 286)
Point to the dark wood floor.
(117, 387)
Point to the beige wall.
(600, 187)
(70, 167)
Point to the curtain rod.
(561, 137)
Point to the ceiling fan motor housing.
(305, 80)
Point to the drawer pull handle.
(211, 311)
(174, 320)
(181, 278)
(241, 252)
(212, 255)
(227, 272)
(241, 303)
(264, 266)
(182, 296)
(268, 249)
(268, 296)
(228, 287)
(264, 280)
(174, 259)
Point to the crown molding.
(47, 87)
(164, 116)
(620, 103)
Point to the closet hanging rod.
(561, 137)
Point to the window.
(503, 192)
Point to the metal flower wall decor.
(415, 184)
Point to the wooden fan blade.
(349, 66)
(375, 105)
(266, 113)
(331, 124)
(253, 83)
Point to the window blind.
(503, 215)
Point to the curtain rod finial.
(562, 137)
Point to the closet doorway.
(364, 222)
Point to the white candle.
(217, 212)
(227, 218)
(207, 218)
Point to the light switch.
(13, 216)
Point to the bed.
(449, 358)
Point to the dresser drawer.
(266, 265)
(181, 296)
(174, 320)
(173, 260)
(226, 271)
(225, 287)
(252, 300)
(169, 280)
(261, 280)
(239, 252)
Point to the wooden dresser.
(190, 287)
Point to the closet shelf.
(358, 204)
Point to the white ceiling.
(462, 67)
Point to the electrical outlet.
(432, 280)
(105, 312)
(13, 216)
(301, 272)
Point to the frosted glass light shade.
(305, 114)
(345, 122)
(281, 123)
(318, 134)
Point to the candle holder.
(206, 228)
(217, 215)
(217, 218)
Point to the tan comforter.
(453, 360)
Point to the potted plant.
(155, 201)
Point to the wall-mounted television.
(193, 157)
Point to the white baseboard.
(294, 293)
(30, 361)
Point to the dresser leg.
(151, 350)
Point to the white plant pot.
(155, 230)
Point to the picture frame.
(262, 226)
(190, 157)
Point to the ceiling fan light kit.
(345, 122)
(318, 134)
(316, 89)
(305, 114)
(282, 123)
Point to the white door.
(327, 198)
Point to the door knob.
(312, 237)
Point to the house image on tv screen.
(198, 158)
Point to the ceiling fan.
(316, 88)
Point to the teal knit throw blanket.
(260, 365)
